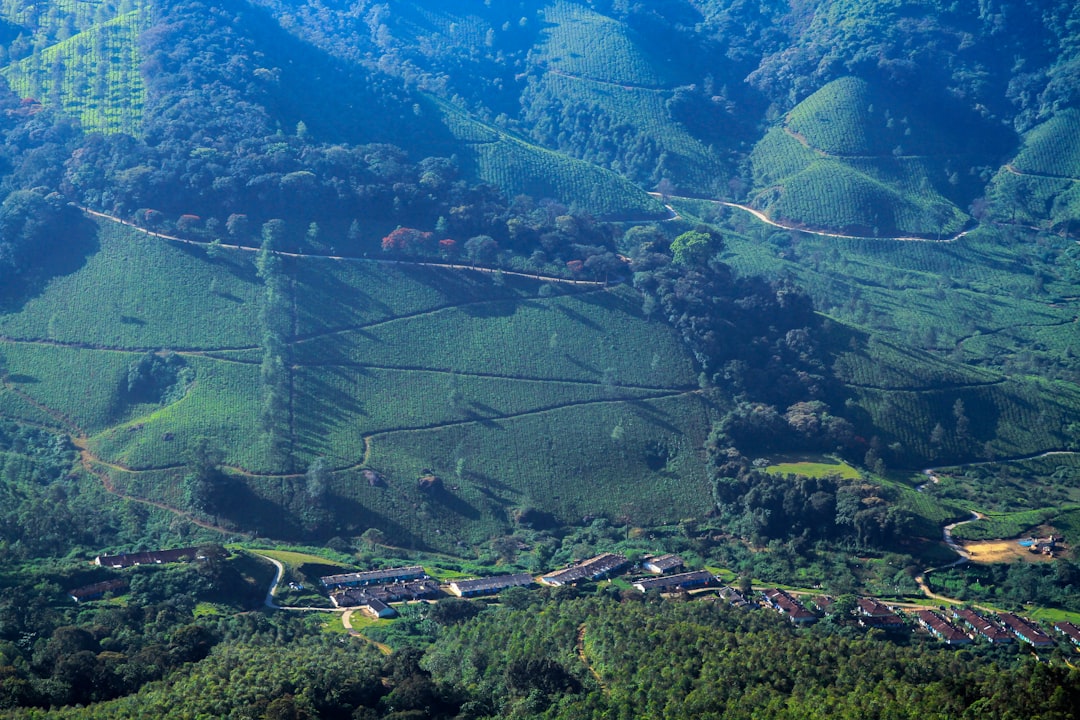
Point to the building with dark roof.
(377, 609)
(590, 569)
(987, 629)
(97, 590)
(680, 581)
(877, 615)
(152, 557)
(942, 628)
(784, 603)
(735, 598)
(488, 586)
(662, 564)
(388, 593)
(1024, 630)
(1069, 630)
(373, 577)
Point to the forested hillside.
(790, 289)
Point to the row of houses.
(375, 599)
(1069, 630)
(875, 614)
(677, 582)
(97, 590)
(785, 604)
(941, 628)
(592, 569)
(151, 557)
(372, 590)
(983, 627)
(373, 577)
(1009, 627)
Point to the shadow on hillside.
(21, 285)
(324, 405)
(352, 515)
(234, 500)
(578, 317)
(454, 504)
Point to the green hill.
(1042, 183)
(93, 74)
(579, 42)
(519, 167)
(516, 394)
(857, 160)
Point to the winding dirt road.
(796, 228)
(345, 258)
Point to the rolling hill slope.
(854, 159)
(515, 398)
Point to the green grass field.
(814, 467)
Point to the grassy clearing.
(292, 559)
(815, 467)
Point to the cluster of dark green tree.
(245, 124)
(759, 339)
(560, 655)
(762, 507)
(694, 660)
(35, 221)
(55, 653)
(1014, 585)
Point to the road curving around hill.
(759, 215)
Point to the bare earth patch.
(1001, 551)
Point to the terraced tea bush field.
(92, 75)
(845, 160)
(580, 42)
(518, 167)
(147, 294)
(1051, 148)
(393, 368)
(1042, 184)
(628, 110)
(1009, 525)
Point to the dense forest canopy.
(785, 287)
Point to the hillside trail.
(1010, 168)
(820, 233)
(583, 656)
(88, 461)
(345, 258)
